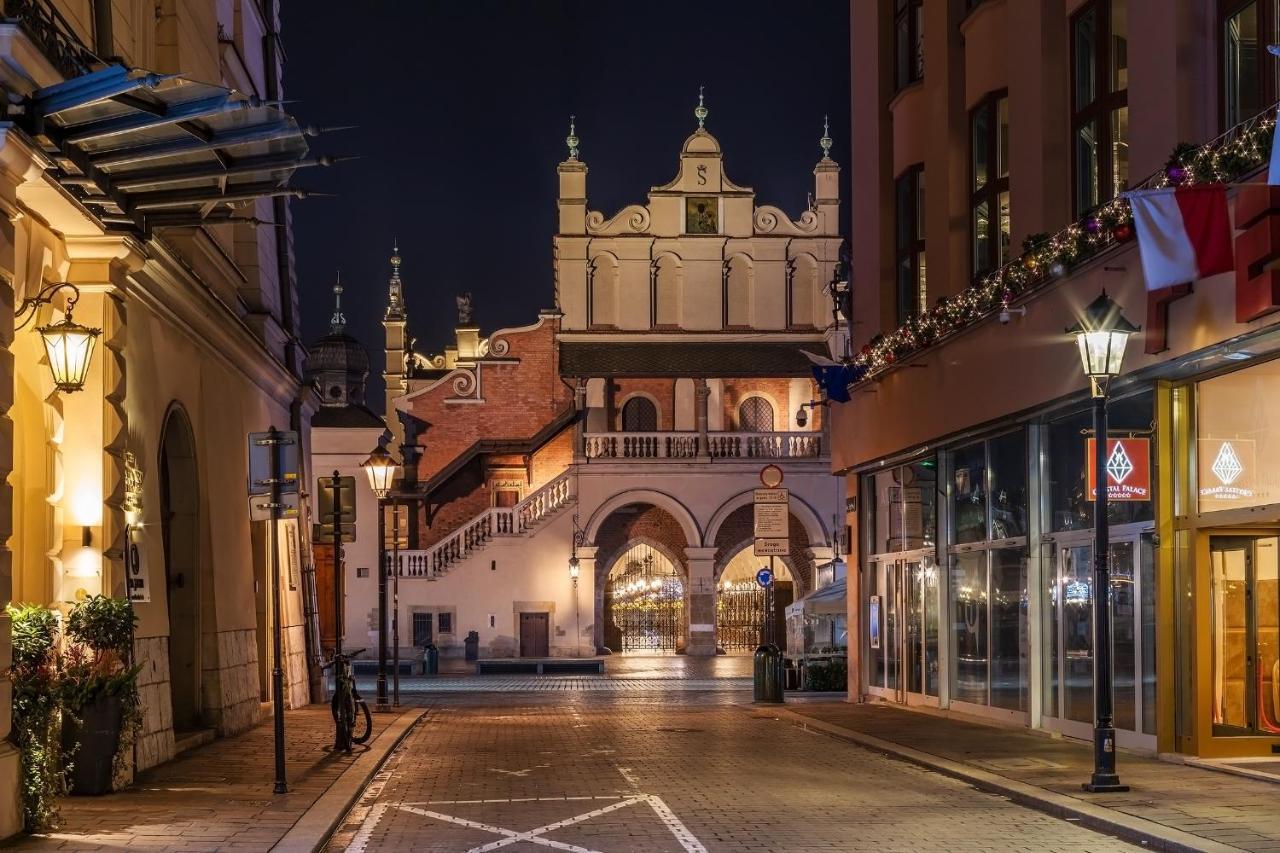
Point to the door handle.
(179, 581)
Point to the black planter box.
(98, 734)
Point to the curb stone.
(1147, 833)
(318, 823)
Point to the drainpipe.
(279, 205)
(103, 37)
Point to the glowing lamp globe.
(1101, 336)
(381, 470)
(69, 347)
(575, 568)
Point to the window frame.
(910, 13)
(995, 185)
(913, 249)
(1268, 83)
(1100, 110)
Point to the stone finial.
(338, 321)
(700, 112)
(572, 140)
(465, 308)
(395, 290)
(825, 142)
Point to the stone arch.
(739, 279)
(189, 588)
(662, 500)
(796, 567)
(667, 283)
(604, 568)
(602, 295)
(815, 531)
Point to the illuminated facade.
(965, 445)
(627, 427)
(114, 180)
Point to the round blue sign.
(764, 577)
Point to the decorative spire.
(825, 142)
(395, 299)
(572, 140)
(700, 111)
(338, 321)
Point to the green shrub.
(833, 675)
(37, 723)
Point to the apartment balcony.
(662, 446)
(53, 35)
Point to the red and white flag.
(1184, 233)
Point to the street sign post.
(273, 471)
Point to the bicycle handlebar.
(345, 656)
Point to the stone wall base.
(155, 744)
(10, 799)
(234, 705)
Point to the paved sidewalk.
(1171, 806)
(218, 796)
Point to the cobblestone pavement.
(668, 771)
(215, 797)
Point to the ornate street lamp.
(1101, 336)
(575, 570)
(68, 345)
(380, 467)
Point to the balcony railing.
(720, 445)
(42, 22)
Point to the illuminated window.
(989, 183)
(1099, 102)
(1249, 77)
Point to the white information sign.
(772, 547)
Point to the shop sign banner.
(1128, 469)
(1226, 472)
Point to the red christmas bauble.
(1122, 232)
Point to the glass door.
(1070, 646)
(1245, 618)
(902, 619)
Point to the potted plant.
(36, 719)
(99, 693)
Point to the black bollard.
(768, 672)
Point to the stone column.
(700, 601)
(590, 603)
(701, 395)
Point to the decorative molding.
(768, 219)
(633, 219)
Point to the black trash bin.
(769, 672)
(472, 645)
(430, 659)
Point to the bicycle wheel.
(362, 710)
(344, 712)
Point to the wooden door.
(534, 635)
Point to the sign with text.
(1226, 471)
(1128, 467)
(260, 452)
(772, 547)
(136, 578)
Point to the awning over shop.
(828, 601)
(142, 150)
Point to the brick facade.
(649, 522)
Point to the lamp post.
(575, 568)
(381, 470)
(1101, 336)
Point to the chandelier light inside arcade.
(645, 597)
(740, 614)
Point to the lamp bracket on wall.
(45, 297)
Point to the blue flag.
(834, 380)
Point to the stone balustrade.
(720, 445)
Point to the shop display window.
(1071, 508)
(1237, 442)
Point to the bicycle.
(345, 704)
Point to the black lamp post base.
(1104, 779)
(382, 708)
(1108, 784)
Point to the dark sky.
(462, 108)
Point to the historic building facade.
(623, 431)
(117, 178)
(964, 444)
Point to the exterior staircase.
(471, 537)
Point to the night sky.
(461, 111)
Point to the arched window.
(639, 414)
(755, 414)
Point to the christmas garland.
(1046, 257)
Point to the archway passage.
(180, 516)
(639, 542)
(746, 613)
(644, 602)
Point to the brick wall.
(519, 400)
(776, 390)
(662, 390)
(621, 528)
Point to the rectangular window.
(909, 213)
(445, 623)
(1099, 102)
(902, 507)
(989, 183)
(1071, 508)
(908, 42)
(362, 573)
(1250, 78)
(969, 493)
(969, 650)
(421, 629)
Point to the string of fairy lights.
(1046, 257)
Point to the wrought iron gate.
(739, 615)
(646, 601)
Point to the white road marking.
(626, 774)
(685, 838)
(361, 839)
(520, 773)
